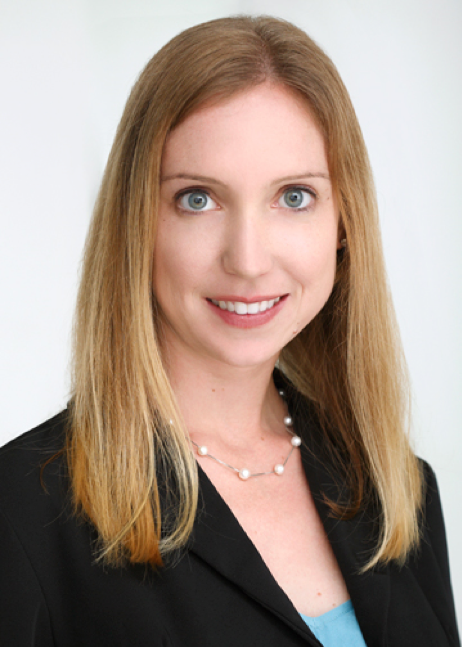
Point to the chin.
(249, 355)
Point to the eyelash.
(187, 191)
(304, 189)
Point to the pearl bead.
(244, 474)
(282, 393)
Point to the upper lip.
(242, 299)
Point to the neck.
(235, 405)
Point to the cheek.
(318, 273)
(169, 270)
(314, 265)
(312, 251)
(180, 260)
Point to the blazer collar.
(353, 540)
(219, 540)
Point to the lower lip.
(248, 321)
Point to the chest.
(280, 518)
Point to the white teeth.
(253, 308)
(241, 308)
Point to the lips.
(242, 308)
(247, 313)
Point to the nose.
(247, 247)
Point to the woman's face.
(248, 229)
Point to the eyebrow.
(211, 180)
(188, 176)
(302, 176)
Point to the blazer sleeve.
(24, 619)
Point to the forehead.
(267, 127)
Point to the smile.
(241, 308)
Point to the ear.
(341, 237)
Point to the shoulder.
(41, 441)
(428, 565)
(433, 533)
(32, 448)
(30, 504)
(27, 491)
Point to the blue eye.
(196, 201)
(295, 199)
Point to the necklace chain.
(244, 473)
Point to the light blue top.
(337, 628)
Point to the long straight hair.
(127, 441)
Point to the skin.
(243, 160)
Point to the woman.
(192, 493)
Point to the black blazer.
(218, 593)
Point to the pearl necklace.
(245, 474)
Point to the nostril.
(248, 258)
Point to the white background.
(66, 68)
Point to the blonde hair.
(122, 448)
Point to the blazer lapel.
(352, 540)
(220, 540)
